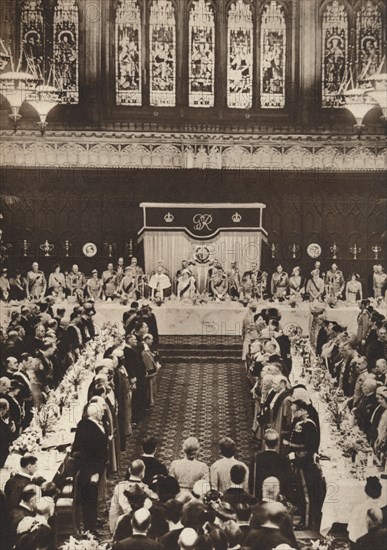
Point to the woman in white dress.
(185, 285)
(353, 290)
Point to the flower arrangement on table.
(27, 443)
(87, 542)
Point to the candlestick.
(376, 249)
(67, 246)
(46, 247)
(355, 250)
(274, 250)
(25, 246)
(334, 249)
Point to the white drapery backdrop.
(172, 247)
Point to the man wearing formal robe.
(36, 283)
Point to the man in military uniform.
(136, 273)
(36, 283)
(334, 282)
(279, 283)
(75, 282)
(120, 270)
(109, 281)
(303, 447)
(255, 281)
(379, 278)
(234, 281)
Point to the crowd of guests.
(127, 283)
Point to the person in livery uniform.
(279, 283)
(334, 282)
(296, 283)
(234, 281)
(185, 285)
(159, 283)
(303, 448)
(353, 290)
(379, 279)
(94, 286)
(36, 283)
(219, 284)
(57, 282)
(109, 281)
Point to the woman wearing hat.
(94, 286)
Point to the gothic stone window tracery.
(32, 38)
(201, 54)
(128, 53)
(273, 56)
(66, 50)
(368, 39)
(334, 53)
(240, 55)
(162, 38)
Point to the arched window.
(201, 54)
(369, 43)
(240, 56)
(128, 53)
(162, 44)
(334, 53)
(32, 38)
(273, 56)
(66, 50)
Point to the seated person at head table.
(160, 284)
(219, 284)
(185, 285)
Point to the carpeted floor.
(207, 400)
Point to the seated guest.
(187, 539)
(380, 445)
(57, 283)
(188, 470)
(366, 405)
(14, 487)
(377, 349)
(185, 285)
(235, 493)
(193, 516)
(361, 374)
(109, 282)
(243, 517)
(358, 521)
(153, 467)
(141, 523)
(266, 533)
(220, 470)
(75, 282)
(375, 537)
(270, 463)
(17, 285)
(27, 507)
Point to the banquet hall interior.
(193, 286)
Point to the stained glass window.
(334, 53)
(162, 36)
(368, 39)
(273, 56)
(240, 58)
(128, 53)
(32, 38)
(66, 50)
(201, 54)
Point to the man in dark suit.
(26, 508)
(136, 372)
(141, 523)
(378, 348)
(15, 485)
(5, 432)
(235, 494)
(153, 467)
(270, 463)
(90, 449)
